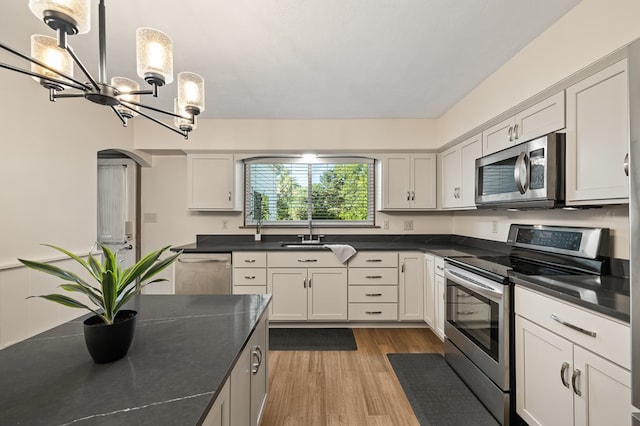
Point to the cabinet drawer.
(303, 259)
(373, 311)
(369, 276)
(612, 339)
(439, 264)
(250, 289)
(378, 259)
(249, 276)
(373, 293)
(249, 259)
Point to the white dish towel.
(343, 252)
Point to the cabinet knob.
(563, 373)
(515, 132)
(413, 195)
(574, 380)
(229, 195)
(408, 195)
(510, 134)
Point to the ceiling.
(313, 58)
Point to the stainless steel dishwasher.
(203, 273)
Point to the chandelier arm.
(78, 84)
(124, 120)
(155, 120)
(191, 119)
(67, 95)
(83, 68)
(43, 77)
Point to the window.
(330, 191)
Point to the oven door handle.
(473, 283)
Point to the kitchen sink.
(316, 246)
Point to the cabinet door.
(396, 181)
(440, 306)
(327, 296)
(598, 137)
(470, 150)
(605, 391)
(429, 292)
(543, 118)
(423, 181)
(411, 287)
(543, 362)
(259, 370)
(451, 175)
(498, 136)
(289, 289)
(219, 413)
(210, 182)
(240, 388)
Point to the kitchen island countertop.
(184, 349)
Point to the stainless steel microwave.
(527, 175)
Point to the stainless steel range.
(479, 298)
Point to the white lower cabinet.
(373, 286)
(219, 414)
(411, 287)
(429, 291)
(559, 382)
(248, 380)
(435, 298)
(301, 294)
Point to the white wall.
(287, 135)
(481, 223)
(591, 30)
(48, 186)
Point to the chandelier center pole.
(102, 40)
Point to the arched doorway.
(118, 221)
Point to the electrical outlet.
(225, 224)
(150, 217)
(494, 227)
(408, 225)
(385, 224)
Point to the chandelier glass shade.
(53, 62)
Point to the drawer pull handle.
(563, 373)
(373, 312)
(573, 327)
(466, 312)
(439, 268)
(250, 277)
(574, 379)
(307, 260)
(373, 294)
(250, 260)
(374, 260)
(374, 276)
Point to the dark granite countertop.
(184, 349)
(606, 294)
(439, 245)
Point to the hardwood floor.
(351, 388)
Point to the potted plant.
(109, 332)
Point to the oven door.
(477, 321)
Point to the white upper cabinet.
(542, 118)
(458, 173)
(213, 182)
(598, 138)
(409, 181)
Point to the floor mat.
(436, 393)
(312, 339)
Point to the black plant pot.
(107, 343)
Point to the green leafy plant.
(115, 285)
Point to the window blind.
(330, 191)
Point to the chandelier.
(52, 64)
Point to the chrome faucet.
(311, 240)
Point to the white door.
(117, 207)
